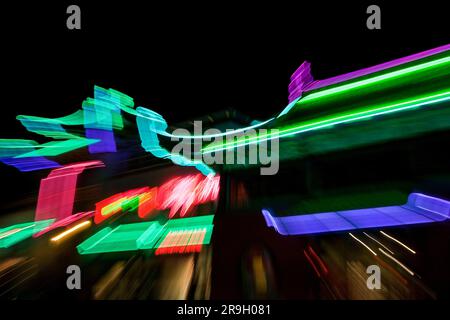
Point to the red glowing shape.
(178, 194)
(115, 203)
(183, 193)
(57, 191)
(147, 202)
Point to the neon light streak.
(70, 232)
(372, 238)
(365, 245)
(65, 222)
(321, 263)
(147, 202)
(362, 83)
(184, 241)
(398, 241)
(380, 67)
(57, 191)
(407, 214)
(56, 148)
(149, 123)
(117, 203)
(183, 193)
(329, 121)
(102, 114)
(125, 237)
(311, 263)
(398, 262)
(18, 232)
(11, 148)
(186, 235)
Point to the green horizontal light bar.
(191, 221)
(141, 235)
(18, 232)
(329, 121)
(126, 237)
(374, 80)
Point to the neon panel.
(419, 209)
(126, 237)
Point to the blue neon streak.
(419, 209)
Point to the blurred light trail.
(333, 120)
(69, 232)
(102, 115)
(65, 222)
(18, 232)
(398, 241)
(149, 123)
(398, 262)
(319, 260)
(419, 209)
(57, 191)
(311, 263)
(370, 237)
(365, 245)
(175, 236)
(183, 193)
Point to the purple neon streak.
(420, 208)
(30, 164)
(362, 72)
(106, 143)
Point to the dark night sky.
(186, 60)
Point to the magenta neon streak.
(362, 72)
(65, 222)
(57, 191)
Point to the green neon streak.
(56, 148)
(371, 81)
(126, 237)
(189, 222)
(142, 235)
(18, 232)
(76, 118)
(329, 121)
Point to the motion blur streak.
(372, 238)
(101, 115)
(18, 232)
(186, 192)
(398, 241)
(321, 263)
(69, 232)
(105, 284)
(365, 245)
(182, 242)
(57, 191)
(311, 263)
(65, 222)
(398, 262)
(11, 148)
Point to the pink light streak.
(57, 191)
